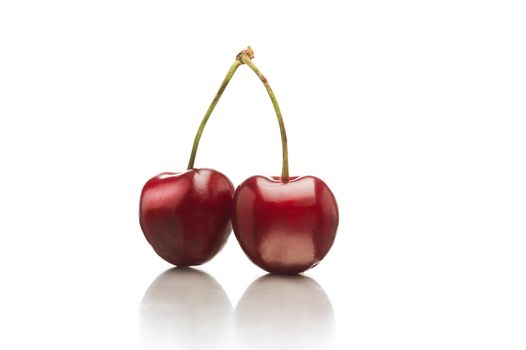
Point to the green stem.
(285, 165)
(222, 88)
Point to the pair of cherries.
(283, 224)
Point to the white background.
(413, 112)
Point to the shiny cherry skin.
(285, 227)
(186, 216)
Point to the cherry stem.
(219, 92)
(246, 59)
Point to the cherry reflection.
(185, 308)
(284, 312)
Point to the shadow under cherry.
(282, 312)
(185, 308)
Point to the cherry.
(284, 224)
(186, 216)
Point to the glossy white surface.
(412, 112)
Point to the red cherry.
(186, 216)
(285, 227)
